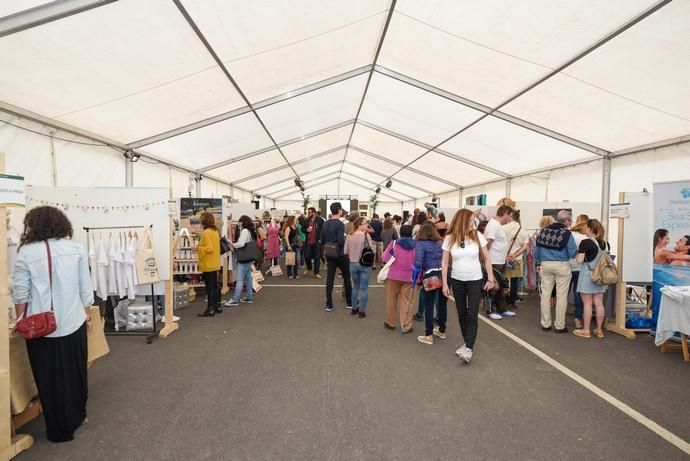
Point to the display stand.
(150, 334)
(618, 325)
(11, 444)
(170, 325)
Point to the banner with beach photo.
(672, 214)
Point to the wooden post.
(618, 326)
(10, 446)
(170, 326)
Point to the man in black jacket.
(333, 232)
(312, 247)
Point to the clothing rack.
(150, 334)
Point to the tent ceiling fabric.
(137, 73)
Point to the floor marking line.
(634, 414)
(311, 286)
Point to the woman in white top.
(463, 244)
(244, 266)
(53, 272)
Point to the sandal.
(582, 333)
(599, 333)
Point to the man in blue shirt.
(555, 247)
(377, 226)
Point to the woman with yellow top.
(209, 263)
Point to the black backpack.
(368, 256)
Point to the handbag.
(330, 250)
(368, 256)
(257, 276)
(290, 258)
(248, 253)
(432, 280)
(382, 276)
(43, 323)
(276, 271)
(147, 266)
(515, 271)
(224, 245)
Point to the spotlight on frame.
(389, 183)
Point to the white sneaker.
(348, 307)
(495, 316)
(439, 333)
(426, 339)
(461, 352)
(467, 356)
(231, 303)
(508, 314)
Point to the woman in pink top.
(399, 286)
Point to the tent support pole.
(605, 190)
(129, 173)
(508, 187)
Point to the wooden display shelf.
(185, 260)
(187, 248)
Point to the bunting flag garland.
(94, 207)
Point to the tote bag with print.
(146, 263)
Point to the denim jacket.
(71, 292)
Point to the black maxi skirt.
(59, 368)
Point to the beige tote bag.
(147, 266)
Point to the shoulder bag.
(368, 256)
(43, 323)
(516, 269)
(224, 245)
(248, 253)
(382, 276)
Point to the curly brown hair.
(43, 223)
(208, 221)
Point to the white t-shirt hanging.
(93, 265)
(113, 256)
(499, 248)
(466, 264)
(102, 269)
(130, 267)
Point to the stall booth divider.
(11, 444)
(150, 334)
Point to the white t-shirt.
(499, 248)
(510, 230)
(466, 264)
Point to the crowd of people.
(479, 261)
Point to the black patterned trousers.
(467, 298)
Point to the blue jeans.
(430, 298)
(244, 276)
(360, 284)
(579, 308)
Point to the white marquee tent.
(538, 99)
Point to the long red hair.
(461, 228)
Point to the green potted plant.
(306, 200)
(374, 201)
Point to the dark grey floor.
(282, 379)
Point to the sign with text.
(619, 210)
(672, 208)
(12, 191)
